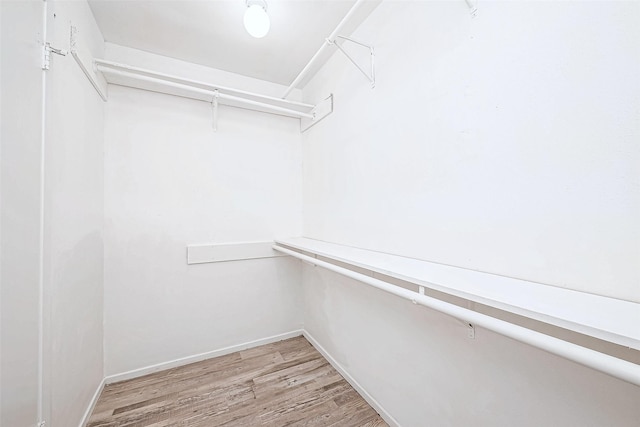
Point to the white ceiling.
(211, 32)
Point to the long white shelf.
(140, 78)
(129, 76)
(613, 320)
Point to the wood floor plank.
(376, 422)
(347, 403)
(287, 383)
(297, 406)
(293, 380)
(215, 377)
(251, 415)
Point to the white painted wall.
(422, 369)
(171, 181)
(73, 221)
(519, 158)
(20, 174)
(507, 143)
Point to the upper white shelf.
(608, 319)
(154, 81)
(140, 78)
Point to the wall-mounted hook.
(215, 109)
(471, 331)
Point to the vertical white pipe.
(41, 248)
(329, 40)
(1, 400)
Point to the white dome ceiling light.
(256, 20)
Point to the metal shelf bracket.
(48, 50)
(473, 7)
(370, 76)
(84, 59)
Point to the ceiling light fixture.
(256, 20)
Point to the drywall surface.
(20, 135)
(73, 221)
(505, 143)
(422, 369)
(171, 181)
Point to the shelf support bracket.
(48, 50)
(87, 64)
(371, 76)
(321, 110)
(216, 95)
(473, 7)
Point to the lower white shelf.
(608, 319)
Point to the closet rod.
(210, 93)
(110, 66)
(610, 365)
(328, 41)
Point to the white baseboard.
(199, 357)
(92, 404)
(370, 400)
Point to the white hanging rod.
(619, 368)
(203, 85)
(209, 94)
(328, 41)
(128, 75)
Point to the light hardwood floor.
(282, 384)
